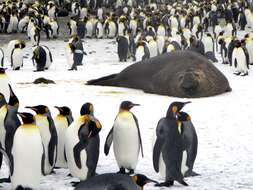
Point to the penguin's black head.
(40, 109)
(64, 110)
(2, 70)
(175, 108)
(27, 118)
(183, 116)
(13, 101)
(142, 180)
(87, 109)
(237, 43)
(16, 46)
(127, 105)
(22, 44)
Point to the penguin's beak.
(151, 181)
(59, 108)
(132, 105)
(32, 108)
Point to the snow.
(223, 123)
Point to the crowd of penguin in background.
(43, 143)
(141, 30)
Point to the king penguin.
(62, 122)
(112, 181)
(4, 84)
(190, 139)
(48, 132)
(240, 59)
(81, 151)
(16, 57)
(125, 127)
(169, 146)
(27, 153)
(11, 123)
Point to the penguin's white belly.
(162, 166)
(161, 31)
(27, 154)
(184, 167)
(71, 139)
(89, 29)
(10, 47)
(99, 30)
(126, 144)
(239, 55)
(4, 87)
(160, 45)
(69, 56)
(208, 44)
(46, 136)
(112, 30)
(61, 128)
(17, 58)
(139, 53)
(3, 112)
(48, 61)
(121, 29)
(249, 47)
(152, 49)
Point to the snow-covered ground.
(224, 123)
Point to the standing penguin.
(99, 32)
(16, 57)
(123, 47)
(48, 132)
(49, 57)
(240, 59)
(142, 51)
(249, 46)
(209, 44)
(4, 84)
(81, 152)
(190, 139)
(169, 146)
(27, 163)
(40, 58)
(62, 122)
(125, 127)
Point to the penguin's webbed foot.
(122, 171)
(165, 184)
(74, 183)
(191, 174)
(183, 183)
(69, 175)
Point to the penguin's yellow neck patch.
(124, 114)
(40, 116)
(28, 126)
(3, 75)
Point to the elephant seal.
(183, 74)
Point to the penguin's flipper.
(246, 55)
(139, 134)
(43, 162)
(157, 152)
(77, 154)
(52, 146)
(108, 142)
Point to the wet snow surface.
(224, 123)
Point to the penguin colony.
(62, 142)
(142, 29)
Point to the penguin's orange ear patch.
(174, 109)
(188, 118)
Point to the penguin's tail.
(103, 81)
